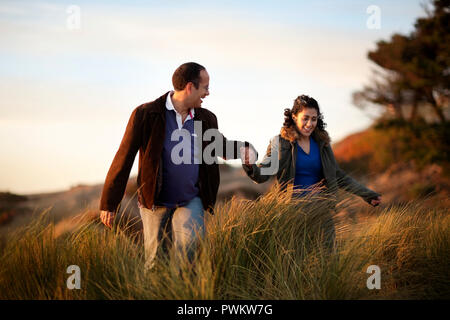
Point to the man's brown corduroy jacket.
(145, 133)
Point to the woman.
(301, 155)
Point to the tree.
(414, 69)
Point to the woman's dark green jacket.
(280, 160)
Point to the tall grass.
(271, 248)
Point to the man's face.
(197, 95)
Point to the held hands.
(375, 202)
(248, 156)
(107, 218)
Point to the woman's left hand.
(375, 202)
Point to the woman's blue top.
(308, 167)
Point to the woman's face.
(306, 121)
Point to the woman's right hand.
(248, 156)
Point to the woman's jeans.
(178, 227)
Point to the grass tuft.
(271, 248)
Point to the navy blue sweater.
(179, 184)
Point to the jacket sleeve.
(119, 171)
(230, 149)
(268, 167)
(349, 184)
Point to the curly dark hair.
(290, 130)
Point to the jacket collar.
(321, 143)
(160, 107)
(199, 114)
(291, 136)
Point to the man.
(172, 194)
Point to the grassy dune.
(266, 249)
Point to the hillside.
(402, 162)
(17, 210)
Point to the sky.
(71, 73)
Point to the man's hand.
(107, 218)
(248, 156)
(375, 202)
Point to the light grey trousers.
(177, 228)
